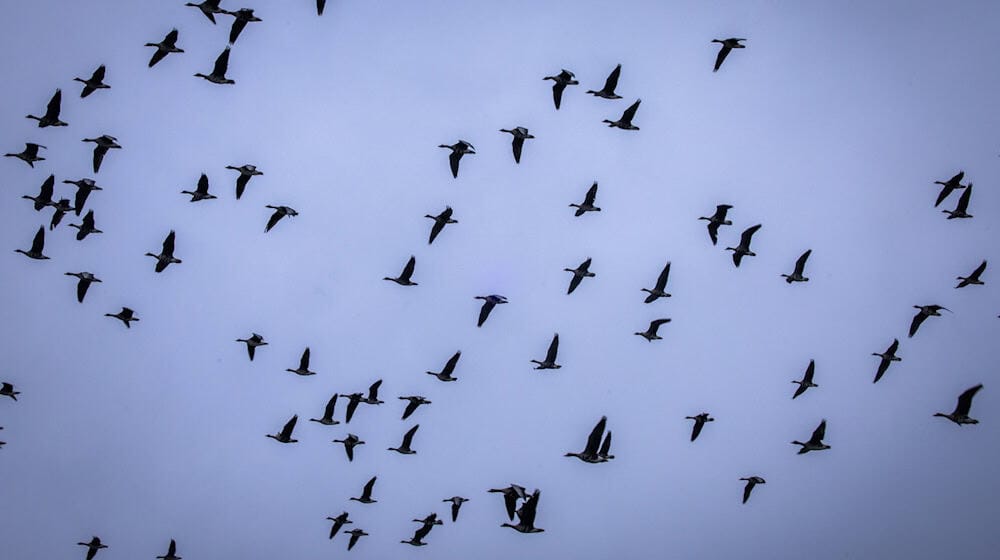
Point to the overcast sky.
(829, 129)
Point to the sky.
(829, 128)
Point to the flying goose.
(92, 547)
(727, 45)
(458, 149)
(562, 79)
(588, 202)
(7, 390)
(699, 423)
(86, 279)
(243, 17)
(526, 515)
(62, 207)
(163, 48)
(654, 326)
(520, 134)
(201, 192)
(887, 358)
(972, 278)
(751, 482)
(171, 552)
(815, 442)
(51, 116)
(303, 368)
(441, 220)
(743, 249)
(589, 453)
(716, 220)
(355, 535)
(166, 256)
(353, 399)
(625, 123)
(608, 91)
(95, 82)
(961, 209)
(404, 277)
(550, 355)
(37, 245)
(800, 265)
(103, 143)
(510, 496)
(252, 343)
(279, 213)
(807, 379)
(456, 504)
(449, 367)
(87, 227)
(327, 419)
(366, 492)
(925, 312)
(422, 531)
(218, 75)
(372, 397)
(431, 519)
(126, 316)
(414, 402)
(285, 435)
(961, 414)
(579, 273)
(489, 302)
(339, 522)
(404, 447)
(350, 442)
(246, 172)
(661, 284)
(83, 189)
(209, 8)
(948, 186)
(44, 197)
(30, 154)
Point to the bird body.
(83, 189)
(44, 197)
(279, 213)
(86, 279)
(366, 492)
(209, 8)
(7, 390)
(444, 374)
(303, 368)
(948, 186)
(658, 290)
(579, 273)
(972, 278)
(338, 522)
(590, 451)
(414, 401)
(404, 447)
(355, 535)
(327, 419)
(511, 494)
(441, 220)
(924, 312)
(218, 75)
(62, 207)
(743, 249)
(699, 423)
(37, 246)
(30, 154)
(962, 208)
(201, 192)
(456, 504)
(171, 552)
(526, 515)
(716, 220)
(751, 482)
(800, 265)
(350, 442)
(93, 546)
(103, 143)
(86, 227)
(246, 172)
(887, 358)
(243, 17)
(404, 278)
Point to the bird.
(320, 6)
(608, 91)
(526, 515)
(815, 442)
(727, 45)
(171, 552)
(510, 496)
(285, 435)
(37, 245)
(44, 197)
(751, 482)
(961, 413)
(246, 172)
(800, 265)
(86, 279)
(743, 249)
(562, 79)
(456, 504)
(972, 278)
(887, 358)
(699, 423)
(62, 207)
(279, 213)
(252, 343)
(445, 373)
(441, 220)
(353, 399)
(355, 535)
(404, 277)
(421, 532)
(625, 123)
(103, 143)
(654, 326)
(489, 302)
(166, 256)
(327, 419)
(661, 284)
(716, 220)
(925, 312)
(218, 75)
(430, 520)
(589, 453)
(961, 209)
(366, 492)
(51, 116)
(588, 202)
(414, 402)
(807, 379)
(163, 48)
(303, 368)
(579, 273)
(201, 192)
(458, 149)
(350, 442)
(404, 447)
(243, 17)
(83, 189)
(372, 397)
(550, 355)
(30, 154)
(93, 546)
(94, 83)
(126, 315)
(209, 8)
(7, 390)
(339, 522)
(87, 227)
(520, 135)
(948, 186)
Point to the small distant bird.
(163, 48)
(961, 209)
(37, 245)
(887, 358)
(201, 192)
(303, 368)
(366, 492)
(83, 189)
(414, 402)
(925, 312)
(520, 135)
(62, 207)
(489, 302)
(588, 202)
(815, 442)
(327, 419)
(526, 515)
(94, 83)
(7, 390)
(800, 265)
(166, 256)
(419, 534)
(661, 284)
(807, 379)
(353, 400)
(171, 552)
(218, 75)
(243, 17)
(699, 423)
(456, 504)
(625, 123)
(716, 220)
(948, 186)
(449, 367)
(246, 172)
(458, 150)
(441, 220)
(727, 45)
(654, 326)
(355, 535)
(404, 447)
(372, 397)
(103, 143)
(209, 8)
(92, 547)
(404, 277)
(608, 91)
(743, 249)
(320, 6)
(44, 197)
(285, 435)
(550, 356)
(590, 452)
(431, 519)
(87, 227)
(126, 316)
(511, 494)
(279, 213)
(252, 343)
(961, 413)
(972, 278)
(751, 482)
(579, 273)
(51, 116)
(339, 522)
(562, 79)
(350, 442)
(30, 153)
(86, 279)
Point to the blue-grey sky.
(829, 129)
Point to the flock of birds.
(518, 502)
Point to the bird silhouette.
(489, 302)
(218, 75)
(961, 413)
(285, 435)
(94, 83)
(608, 91)
(815, 442)
(520, 135)
(126, 315)
(727, 45)
(51, 116)
(800, 265)
(654, 327)
(562, 79)
(30, 153)
(625, 122)
(458, 149)
(550, 355)
(661, 284)
(37, 246)
(588, 202)
(887, 358)
(163, 48)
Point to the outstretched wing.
(168, 244)
(52, 109)
(918, 319)
(517, 144)
(304, 361)
(629, 113)
(698, 425)
(800, 264)
(408, 269)
(222, 63)
(286, 432)
(965, 400)
(594, 439)
(484, 311)
(550, 356)
(661, 281)
(612, 82)
(452, 362)
(453, 160)
(748, 235)
(591, 195)
(557, 91)
(408, 436)
(723, 53)
(819, 433)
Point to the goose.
(699, 423)
(163, 48)
(126, 316)
(252, 343)
(589, 453)
(103, 143)
(420, 533)
(579, 273)
(562, 79)
(372, 397)
(327, 419)
(430, 520)
(961, 209)
(218, 75)
(526, 515)
(588, 202)
(800, 265)
(661, 284)
(510, 496)
(95, 82)
(550, 355)
(62, 207)
(441, 220)
(44, 197)
(83, 189)
(404, 447)
(320, 6)
(414, 402)
(727, 45)
(925, 312)
(743, 249)
(608, 91)
(404, 277)
(456, 504)
(489, 302)
(654, 326)
(86, 279)
(92, 547)
(279, 213)
(30, 154)
(815, 442)
(350, 442)
(353, 399)
(716, 220)
(37, 245)
(7, 390)
(449, 367)
(166, 256)
(355, 535)
(972, 278)
(51, 116)
(303, 368)
(751, 482)
(625, 123)
(243, 17)
(948, 186)
(520, 135)
(887, 358)
(458, 149)
(366, 493)
(961, 413)
(201, 192)
(171, 552)
(807, 380)
(87, 227)
(339, 522)
(285, 435)
(209, 8)
(246, 172)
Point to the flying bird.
(366, 492)
(550, 355)
(962, 208)
(414, 402)
(87, 227)
(218, 75)
(62, 207)
(86, 279)
(30, 153)
(209, 8)
(807, 379)
(7, 390)
(126, 316)
(372, 397)
(404, 277)
(37, 246)
(44, 197)
(661, 284)
(511, 495)
(751, 482)
(743, 249)
(166, 256)
(327, 419)
(92, 547)
(579, 273)
(458, 150)
(815, 442)
(489, 302)
(925, 312)
(51, 116)
(526, 515)
(441, 220)
(456, 504)
(727, 45)
(303, 368)
(201, 191)
(338, 522)
(285, 435)
(588, 202)
(654, 327)
(608, 91)
(246, 172)
(171, 552)
(252, 343)
(83, 189)
(279, 213)
(716, 220)
(590, 452)
(449, 367)
(420, 533)
(350, 442)
(948, 186)
(961, 413)
(562, 79)
(887, 358)
(404, 447)
(699, 423)
(355, 535)
(520, 135)
(103, 143)
(163, 48)
(94, 83)
(800, 265)
(353, 400)
(243, 17)
(972, 278)
(625, 123)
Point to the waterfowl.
(95, 82)
(441, 220)
(661, 284)
(716, 220)
(961, 209)
(807, 379)
(550, 355)
(404, 277)
(303, 368)
(103, 143)
(7, 390)
(520, 135)
(243, 17)
(163, 48)
(320, 5)
(285, 435)
(51, 116)
(489, 302)
(327, 419)
(372, 397)
(420, 533)
(800, 265)
(961, 413)
(562, 79)
(948, 186)
(218, 75)
(86, 279)
(431, 519)
(366, 493)
(608, 91)
(252, 343)
(30, 154)
(355, 535)
(350, 442)
(414, 402)
(699, 423)
(456, 504)
(751, 482)
(92, 547)
(279, 213)
(727, 45)
(201, 192)
(44, 197)
(83, 189)
(654, 326)
(588, 202)
(510, 496)
(87, 227)
(925, 312)
(171, 552)
(972, 278)
(166, 256)
(887, 358)
(353, 399)
(579, 273)
(246, 172)
(37, 245)
(625, 123)
(458, 150)
(209, 8)
(815, 442)
(404, 447)
(449, 367)
(126, 316)
(526, 515)
(62, 207)
(743, 249)
(589, 453)
(339, 522)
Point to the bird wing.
(723, 53)
(222, 63)
(354, 539)
(38, 243)
(241, 185)
(591, 195)
(373, 390)
(612, 82)
(99, 152)
(698, 425)
(237, 28)
(171, 38)
(278, 214)
(808, 377)
(979, 270)
(917, 320)
(435, 230)
(80, 199)
(453, 160)
(52, 109)
(352, 405)
(88, 220)
(883, 366)
(202, 184)
(748, 235)
(965, 400)
(550, 356)
(81, 289)
(893, 347)
(720, 211)
(594, 439)
(172, 549)
(661, 281)
(573, 283)
(945, 191)
(286, 432)
(320, 6)
(819, 433)
(168, 244)
(330, 406)
(510, 501)
(452, 362)
(517, 144)
(800, 264)
(654, 326)
(410, 408)
(629, 113)
(747, 489)
(527, 512)
(408, 269)
(304, 361)
(713, 232)
(366, 493)
(557, 91)
(98, 75)
(157, 56)
(606, 446)
(454, 510)
(963, 201)
(408, 436)
(422, 531)
(801, 389)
